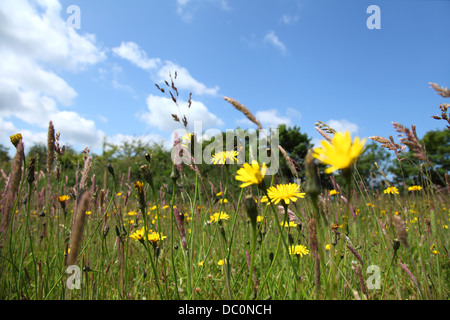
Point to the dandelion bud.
(291, 238)
(396, 245)
(111, 170)
(175, 174)
(146, 174)
(250, 208)
(30, 171)
(312, 186)
(105, 231)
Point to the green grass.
(114, 266)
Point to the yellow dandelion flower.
(290, 224)
(187, 138)
(201, 263)
(328, 247)
(216, 217)
(155, 237)
(264, 199)
(287, 192)
(251, 174)
(333, 192)
(222, 262)
(224, 157)
(223, 201)
(139, 186)
(341, 153)
(259, 219)
(391, 190)
(138, 235)
(415, 188)
(63, 198)
(299, 250)
(132, 213)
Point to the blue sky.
(288, 61)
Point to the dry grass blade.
(50, 147)
(244, 110)
(409, 138)
(400, 227)
(289, 161)
(444, 116)
(325, 127)
(444, 92)
(323, 134)
(361, 279)
(315, 251)
(411, 276)
(12, 188)
(356, 254)
(76, 235)
(387, 143)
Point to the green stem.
(171, 242)
(252, 260)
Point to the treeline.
(374, 166)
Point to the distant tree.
(4, 156)
(296, 145)
(366, 169)
(38, 151)
(411, 171)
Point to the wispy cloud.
(289, 18)
(343, 125)
(133, 53)
(272, 119)
(272, 39)
(160, 110)
(187, 8)
(160, 70)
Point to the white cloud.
(289, 19)
(162, 108)
(120, 139)
(187, 8)
(133, 53)
(36, 43)
(343, 125)
(271, 119)
(35, 28)
(75, 128)
(293, 114)
(272, 39)
(184, 80)
(160, 70)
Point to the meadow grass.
(211, 260)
